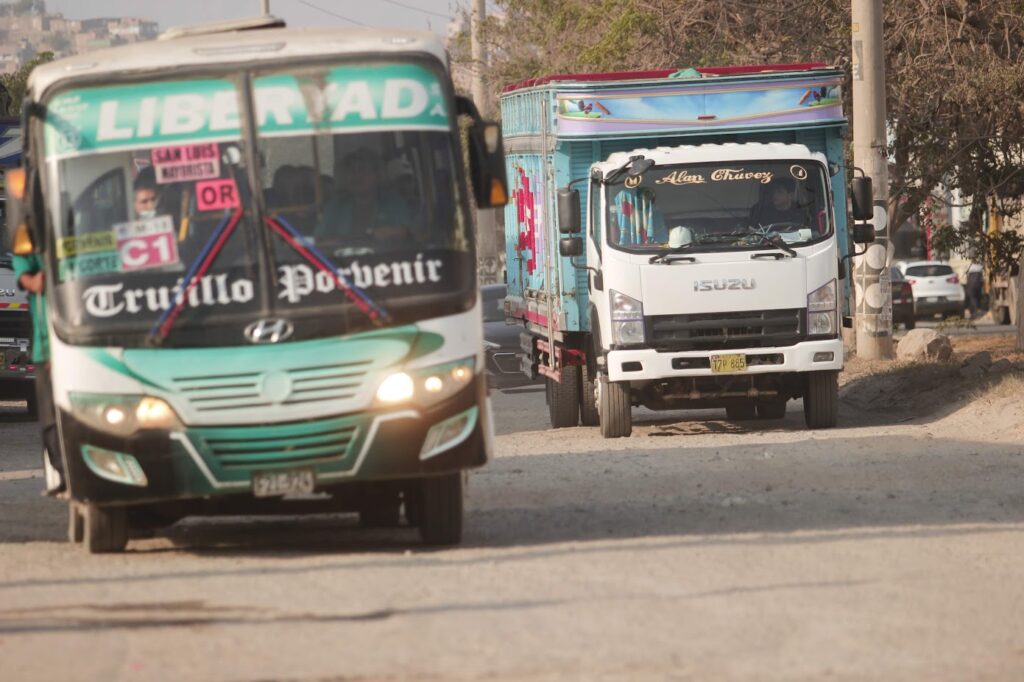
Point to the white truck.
(715, 229)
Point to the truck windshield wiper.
(663, 256)
(777, 242)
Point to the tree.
(955, 70)
(16, 84)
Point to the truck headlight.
(822, 298)
(627, 320)
(426, 386)
(821, 311)
(123, 415)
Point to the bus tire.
(564, 398)
(440, 519)
(771, 409)
(105, 529)
(821, 400)
(381, 511)
(589, 415)
(76, 523)
(741, 411)
(614, 408)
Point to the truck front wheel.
(564, 398)
(821, 400)
(588, 399)
(440, 510)
(614, 408)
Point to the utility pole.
(490, 239)
(265, 7)
(479, 54)
(872, 283)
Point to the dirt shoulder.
(972, 391)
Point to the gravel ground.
(889, 548)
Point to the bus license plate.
(736, 362)
(277, 483)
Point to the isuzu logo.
(269, 331)
(736, 283)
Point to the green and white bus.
(260, 276)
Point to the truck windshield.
(340, 213)
(715, 207)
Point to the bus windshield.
(342, 212)
(723, 206)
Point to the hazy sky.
(432, 14)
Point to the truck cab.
(676, 239)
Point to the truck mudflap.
(647, 364)
(163, 466)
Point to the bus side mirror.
(863, 233)
(568, 210)
(18, 238)
(862, 194)
(487, 164)
(570, 246)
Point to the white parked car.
(937, 289)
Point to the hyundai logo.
(269, 331)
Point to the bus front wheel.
(105, 529)
(440, 510)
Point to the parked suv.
(16, 369)
(937, 289)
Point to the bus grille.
(720, 331)
(312, 384)
(242, 446)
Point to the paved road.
(697, 549)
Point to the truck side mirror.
(570, 246)
(863, 197)
(863, 233)
(568, 210)
(487, 164)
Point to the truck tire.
(105, 528)
(1002, 315)
(614, 408)
(741, 412)
(440, 512)
(76, 523)
(588, 399)
(771, 409)
(909, 324)
(821, 400)
(564, 398)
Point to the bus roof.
(253, 46)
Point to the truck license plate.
(289, 482)
(735, 362)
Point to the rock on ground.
(924, 344)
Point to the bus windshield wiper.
(199, 267)
(360, 298)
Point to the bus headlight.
(123, 415)
(427, 386)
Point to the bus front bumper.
(201, 462)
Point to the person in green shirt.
(32, 278)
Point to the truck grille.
(15, 324)
(720, 331)
(245, 390)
